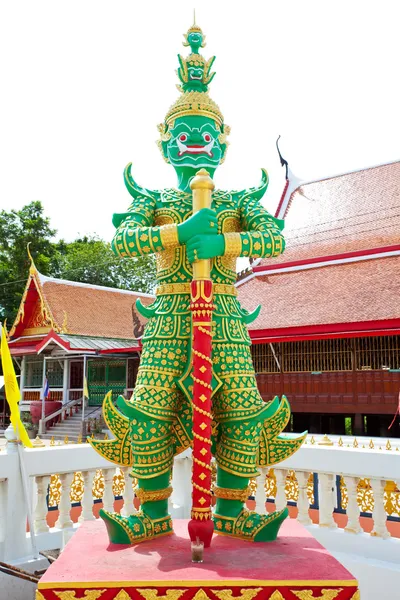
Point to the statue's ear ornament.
(165, 135)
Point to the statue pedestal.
(295, 566)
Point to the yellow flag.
(13, 394)
(85, 389)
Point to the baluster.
(40, 512)
(353, 510)
(260, 496)
(326, 500)
(64, 505)
(108, 496)
(87, 499)
(303, 503)
(280, 498)
(379, 513)
(128, 507)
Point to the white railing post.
(303, 503)
(87, 498)
(128, 495)
(379, 513)
(40, 512)
(64, 506)
(180, 502)
(326, 500)
(280, 498)
(353, 510)
(108, 496)
(260, 496)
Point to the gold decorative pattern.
(365, 496)
(233, 245)
(309, 594)
(245, 594)
(291, 487)
(276, 595)
(89, 594)
(231, 494)
(152, 594)
(122, 595)
(169, 236)
(152, 495)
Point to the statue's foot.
(251, 526)
(135, 528)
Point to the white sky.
(84, 84)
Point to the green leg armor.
(152, 456)
(236, 458)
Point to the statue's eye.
(183, 137)
(207, 137)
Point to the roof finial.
(284, 162)
(33, 266)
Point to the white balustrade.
(40, 511)
(260, 496)
(87, 498)
(353, 510)
(326, 500)
(64, 505)
(108, 495)
(379, 513)
(128, 495)
(280, 498)
(303, 503)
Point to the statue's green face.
(195, 40)
(195, 79)
(194, 143)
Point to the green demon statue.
(155, 424)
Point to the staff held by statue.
(201, 306)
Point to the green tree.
(91, 260)
(17, 228)
(88, 259)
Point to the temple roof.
(351, 212)
(357, 296)
(80, 309)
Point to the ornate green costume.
(156, 423)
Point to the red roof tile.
(93, 310)
(356, 211)
(346, 293)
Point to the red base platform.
(295, 566)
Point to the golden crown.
(194, 103)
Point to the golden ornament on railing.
(312, 441)
(388, 445)
(365, 495)
(371, 444)
(310, 488)
(291, 487)
(252, 487)
(54, 490)
(355, 443)
(343, 493)
(325, 441)
(270, 484)
(340, 442)
(79, 439)
(118, 483)
(98, 484)
(77, 487)
(392, 498)
(52, 442)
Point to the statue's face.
(194, 143)
(195, 40)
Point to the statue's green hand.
(204, 221)
(205, 246)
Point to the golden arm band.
(169, 236)
(230, 494)
(233, 245)
(152, 495)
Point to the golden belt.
(184, 288)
